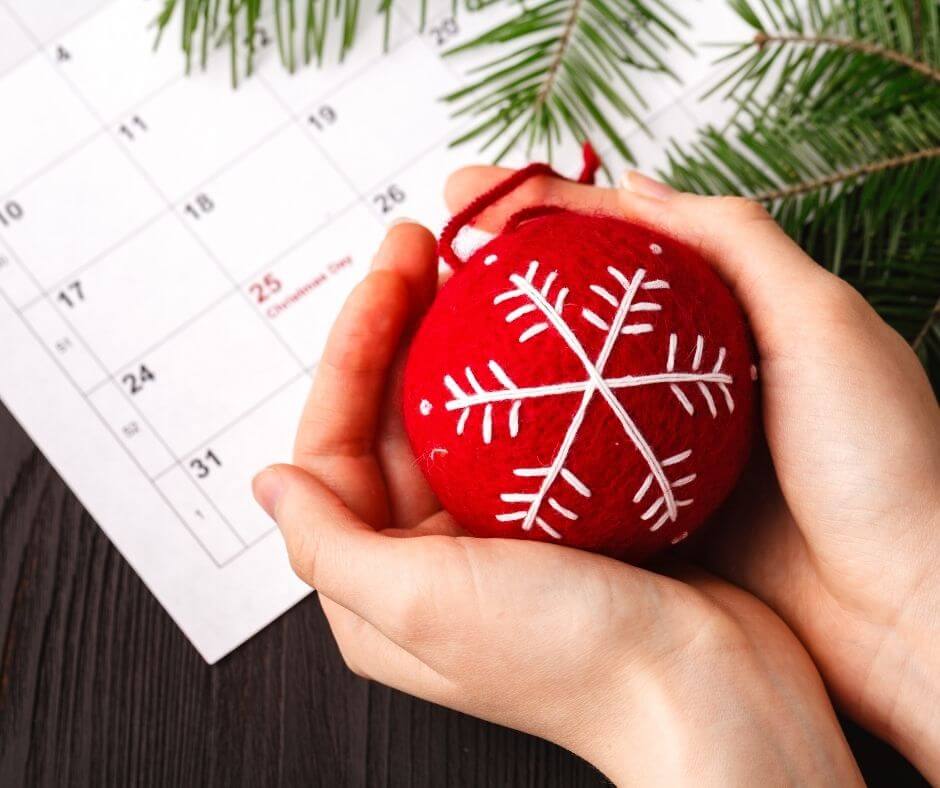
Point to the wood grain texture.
(99, 687)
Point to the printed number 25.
(263, 289)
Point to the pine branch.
(763, 39)
(564, 42)
(846, 175)
(837, 130)
(563, 67)
(928, 324)
(242, 26)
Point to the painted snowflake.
(545, 489)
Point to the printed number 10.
(9, 213)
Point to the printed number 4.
(202, 466)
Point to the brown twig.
(849, 174)
(876, 50)
(925, 329)
(557, 58)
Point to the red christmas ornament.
(580, 380)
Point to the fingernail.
(268, 486)
(381, 260)
(641, 184)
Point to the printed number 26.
(388, 199)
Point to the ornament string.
(500, 190)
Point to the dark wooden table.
(99, 687)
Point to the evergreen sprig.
(837, 131)
(564, 66)
(300, 28)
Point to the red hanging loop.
(591, 164)
(461, 219)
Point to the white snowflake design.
(623, 306)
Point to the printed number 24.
(135, 381)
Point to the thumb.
(331, 548)
(785, 293)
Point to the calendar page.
(173, 252)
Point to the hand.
(645, 675)
(841, 535)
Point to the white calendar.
(173, 252)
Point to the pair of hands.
(649, 675)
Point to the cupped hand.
(840, 531)
(646, 675)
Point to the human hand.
(840, 535)
(647, 676)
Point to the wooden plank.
(97, 685)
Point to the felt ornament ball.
(581, 380)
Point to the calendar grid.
(40, 47)
(416, 29)
(150, 211)
(295, 118)
(40, 44)
(233, 422)
(107, 426)
(105, 131)
(169, 208)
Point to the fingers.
(780, 287)
(369, 654)
(438, 524)
(381, 579)
(410, 498)
(410, 250)
(468, 183)
(342, 410)
(345, 401)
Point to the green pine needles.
(300, 28)
(564, 67)
(837, 131)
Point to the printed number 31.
(202, 466)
